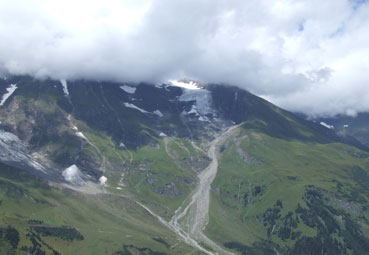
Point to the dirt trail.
(197, 147)
(191, 220)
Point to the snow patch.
(135, 107)
(346, 126)
(326, 125)
(80, 134)
(156, 112)
(128, 89)
(73, 175)
(103, 180)
(65, 87)
(162, 134)
(203, 118)
(10, 90)
(187, 85)
(118, 188)
(159, 113)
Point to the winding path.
(198, 209)
(189, 222)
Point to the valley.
(192, 219)
(103, 168)
(196, 127)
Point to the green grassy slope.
(240, 106)
(43, 217)
(297, 197)
(60, 221)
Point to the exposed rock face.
(13, 150)
(15, 153)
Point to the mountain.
(352, 126)
(93, 167)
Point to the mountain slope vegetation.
(105, 168)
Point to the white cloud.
(305, 55)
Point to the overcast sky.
(309, 55)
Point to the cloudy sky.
(304, 55)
